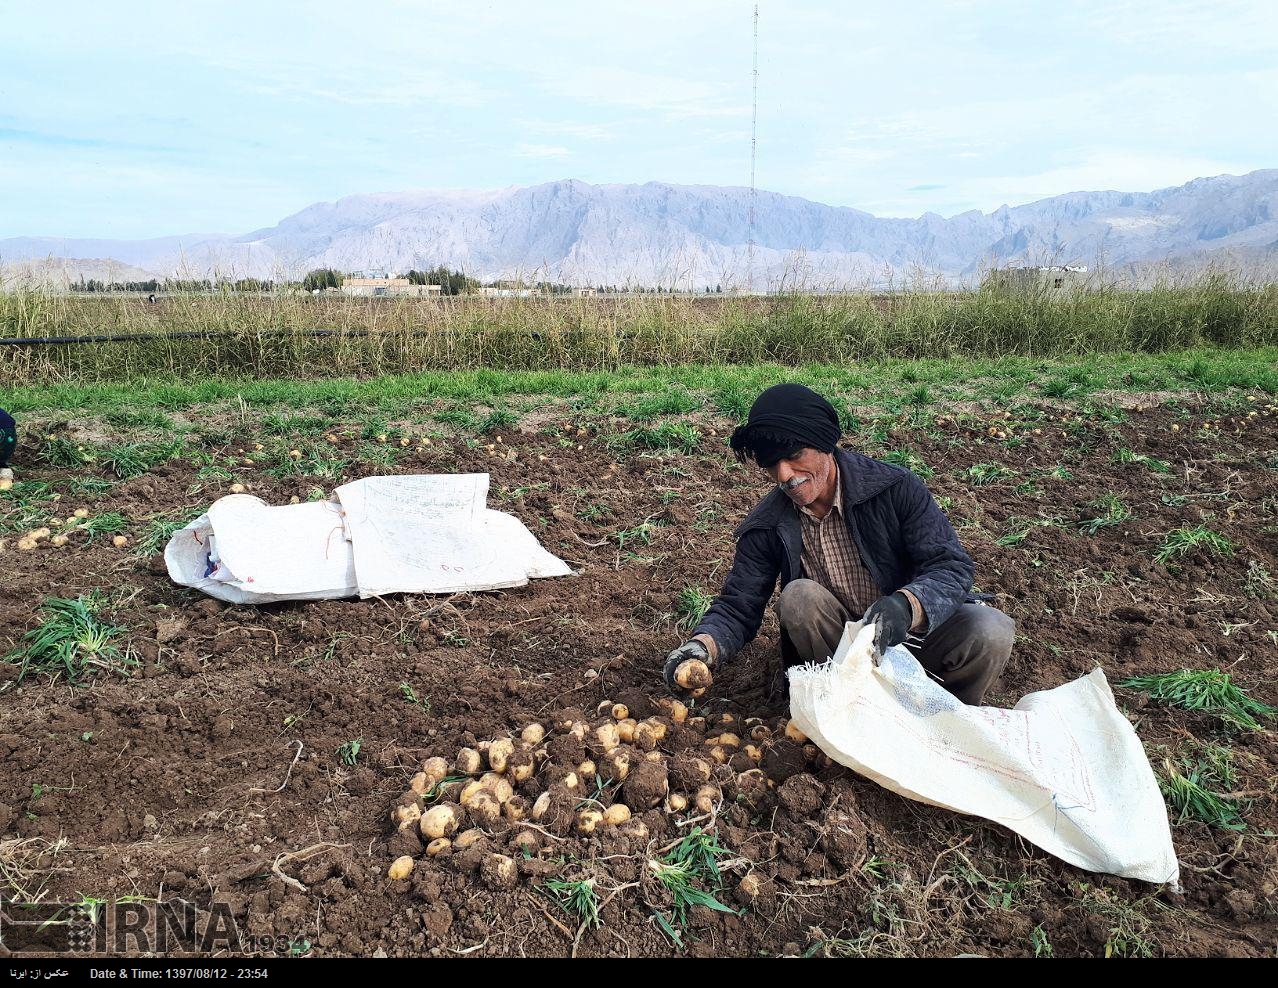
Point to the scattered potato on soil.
(406, 816)
(469, 762)
(469, 838)
(620, 711)
(499, 872)
(588, 820)
(562, 775)
(520, 765)
(436, 769)
(635, 829)
(676, 802)
(616, 764)
(533, 734)
(440, 821)
(793, 733)
(499, 753)
(616, 814)
(606, 737)
(707, 798)
(400, 868)
(498, 785)
(421, 783)
(644, 737)
(484, 808)
(449, 791)
(515, 808)
(438, 846)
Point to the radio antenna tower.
(754, 123)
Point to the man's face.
(805, 477)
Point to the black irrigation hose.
(186, 335)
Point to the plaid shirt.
(831, 558)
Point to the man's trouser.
(966, 653)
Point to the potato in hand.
(694, 675)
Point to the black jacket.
(904, 539)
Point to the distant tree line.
(174, 285)
(94, 285)
(450, 282)
(319, 279)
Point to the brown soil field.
(212, 773)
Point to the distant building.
(387, 287)
(490, 292)
(1048, 278)
(586, 292)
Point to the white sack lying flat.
(1064, 768)
(246, 552)
(417, 534)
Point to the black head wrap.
(782, 421)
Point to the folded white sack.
(380, 535)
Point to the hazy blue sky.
(142, 119)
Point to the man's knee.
(800, 602)
(994, 628)
(975, 633)
(989, 637)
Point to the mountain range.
(694, 236)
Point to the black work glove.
(892, 617)
(688, 650)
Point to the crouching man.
(8, 442)
(850, 538)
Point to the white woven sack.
(1064, 768)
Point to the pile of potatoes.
(612, 776)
